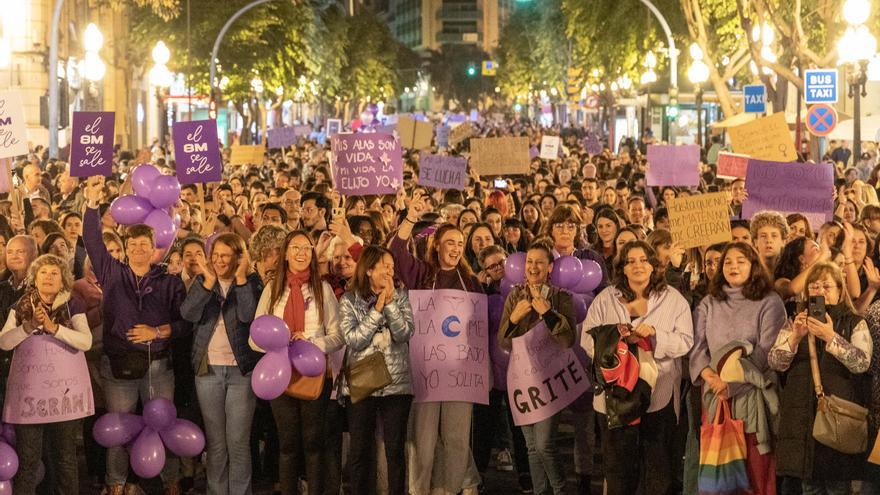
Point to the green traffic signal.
(471, 71)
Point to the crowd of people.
(276, 238)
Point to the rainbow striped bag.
(723, 455)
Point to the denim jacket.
(202, 307)
(366, 331)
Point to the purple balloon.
(591, 277)
(164, 230)
(272, 374)
(147, 454)
(8, 462)
(142, 179)
(506, 286)
(500, 360)
(176, 219)
(6, 487)
(496, 309)
(566, 272)
(580, 308)
(307, 358)
(209, 242)
(166, 191)
(159, 413)
(270, 333)
(117, 429)
(515, 267)
(130, 209)
(183, 438)
(588, 299)
(8, 434)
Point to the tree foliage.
(448, 68)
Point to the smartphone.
(500, 183)
(816, 305)
(338, 212)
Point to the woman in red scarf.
(309, 307)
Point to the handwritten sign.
(414, 134)
(366, 163)
(247, 154)
(441, 136)
(334, 126)
(449, 350)
(549, 147)
(500, 156)
(543, 378)
(790, 188)
(670, 165)
(197, 151)
(13, 131)
(459, 133)
(302, 131)
(442, 172)
(281, 137)
(700, 220)
(591, 144)
(48, 383)
(732, 165)
(91, 147)
(767, 138)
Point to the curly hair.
(268, 237)
(656, 284)
(758, 284)
(51, 260)
(768, 219)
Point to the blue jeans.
(545, 464)
(227, 404)
(826, 487)
(122, 396)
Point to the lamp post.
(93, 68)
(698, 73)
(161, 78)
(648, 78)
(857, 47)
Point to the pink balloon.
(515, 267)
(566, 272)
(143, 178)
(176, 219)
(307, 358)
(164, 230)
(147, 454)
(130, 209)
(272, 375)
(159, 413)
(117, 429)
(9, 434)
(270, 333)
(6, 487)
(591, 277)
(183, 438)
(8, 462)
(166, 191)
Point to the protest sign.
(543, 378)
(334, 126)
(48, 383)
(449, 350)
(700, 220)
(459, 133)
(500, 156)
(13, 131)
(441, 135)
(592, 144)
(366, 163)
(414, 134)
(804, 188)
(247, 154)
(767, 138)
(281, 137)
(197, 151)
(302, 131)
(670, 165)
(732, 165)
(442, 172)
(91, 145)
(549, 147)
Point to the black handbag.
(133, 365)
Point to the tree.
(456, 72)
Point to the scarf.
(295, 309)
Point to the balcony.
(455, 13)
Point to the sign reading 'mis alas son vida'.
(366, 163)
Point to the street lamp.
(648, 78)
(93, 67)
(698, 73)
(161, 78)
(857, 47)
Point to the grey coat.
(366, 331)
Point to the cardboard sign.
(549, 147)
(732, 165)
(500, 156)
(592, 144)
(247, 154)
(449, 350)
(459, 133)
(543, 378)
(804, 188)
(48, 383)
(767, 138)
(441, 136)
(197, 151)
(281, 137)
(414, 134)
(700, 220)
(366, 163)
(91, 146)
(334, 126)
(670, 165)
(13, 131)
(442, 172)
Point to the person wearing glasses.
(308, 306)
(564, 227)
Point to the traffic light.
(472, 69)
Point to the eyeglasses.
(564, 226)
(816, 287)
(496, 266)
(293, 248)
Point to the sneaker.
(525, 483)
(504, 462)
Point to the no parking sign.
(821, 119)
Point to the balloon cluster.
(147, 436)
(272, 374)
(151, 204)
(8, 458)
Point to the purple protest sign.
(442, 172)
(449, 350)
(48, 383)
(670, 165)
(543, 378)
(91, 146)
(197, 152)
(281, 137)
(366, 163)
(790, 188)
(592, 144)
